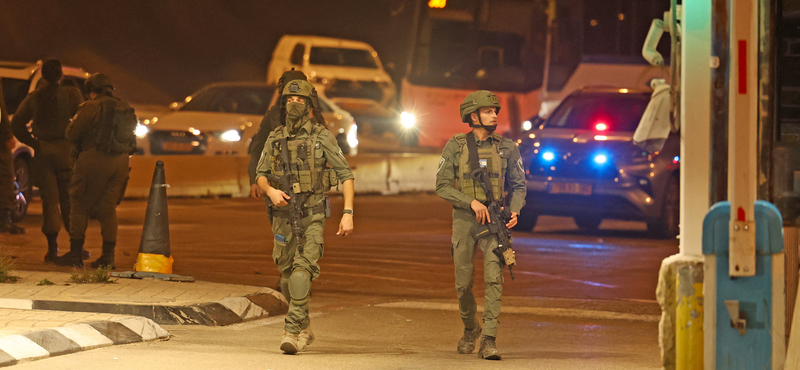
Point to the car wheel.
(668, 226)
(20, 205)
(526, 222)
(588, 223)
(341, 139)
(23, 173)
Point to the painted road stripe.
(243, 307)
(22, 348)
(85, 336)
(144, 328)
(20, 304)
(542, 311)
(53, 342)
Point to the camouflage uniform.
(454, 185)
(284, 251)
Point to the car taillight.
(601, 126)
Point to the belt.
(320, 208)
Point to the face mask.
(295, 112)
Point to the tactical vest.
(487, 157)
(308, 163)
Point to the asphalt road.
(400, 249)
(399, 255)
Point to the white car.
(19, 79)
(221, 119)
(346, 68)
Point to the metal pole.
(720, 52)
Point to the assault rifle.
(291, 183)
(498, 216)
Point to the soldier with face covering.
(275, 117)
(318, 163)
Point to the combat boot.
(8, 226)
(52, 247)
(289, 343)
(467, 342)
(74, 257)
(488, 349)
(107, 258)
(305, 338)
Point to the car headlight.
(141, 131)
(352, 137)
(408, 120)
(231, 136)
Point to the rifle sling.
(472, 150)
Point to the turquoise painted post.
(759, 343)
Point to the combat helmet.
(299, 88)
(98, 83)
(475, 100)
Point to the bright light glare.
(601, 126)
(600, 137)
(600, 159)
(230, 135)
(527, 125)
(141, 130)
(548, 156)
(676, 159)
(408, 120)
(352, 137)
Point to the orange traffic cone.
(154, 253)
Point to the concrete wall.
(215, 176)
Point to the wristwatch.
(348, 211)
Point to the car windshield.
(232, 99)
(616, 112)
(360, 58)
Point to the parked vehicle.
(19, 79)
(581, 162)
(221, 119)
(346, 68)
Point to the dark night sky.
(160, 51)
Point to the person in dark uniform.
(99, 176)
(7, 175)
(275, 118)
(49, 109)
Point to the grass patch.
(84, 276)
(6, 266)
(45, 282)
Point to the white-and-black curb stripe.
(40, 344)
(225, 312)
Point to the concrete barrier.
(227, 176)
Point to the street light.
(437, 4)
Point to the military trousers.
(294, 265)
(7, 176)
(463, 250)
(51, 172)
(98, 183)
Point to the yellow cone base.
(154, 263)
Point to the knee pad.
(284, 285)
(299, 287)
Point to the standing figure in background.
(49, 109)
(7, 176)
(102, 135)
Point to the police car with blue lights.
(582, 163)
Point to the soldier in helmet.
(275, 117)
(319, 164)
(455, 185)
(100, 173)
(49, 109)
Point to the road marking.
(556, 277)
(541, 311)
